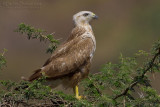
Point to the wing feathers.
(36, 75)
(71, 59)
(76, 32)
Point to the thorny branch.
(135, 82)
(99, 92)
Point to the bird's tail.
(37, 74)
(24, 78)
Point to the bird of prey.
(71, 61)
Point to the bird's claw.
(79, 97)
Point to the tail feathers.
(22, 86)
(24, 78)
(36, 75)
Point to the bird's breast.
(92, 37)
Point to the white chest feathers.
(90, 35)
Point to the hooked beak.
(95, 17)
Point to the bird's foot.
(79, 97)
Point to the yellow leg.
(75, 89)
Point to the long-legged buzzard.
(71, 61)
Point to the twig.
(99, 92)
(135, 82)
(124, 102)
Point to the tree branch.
(135, 82)
(99, 92)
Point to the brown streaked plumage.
(71, 61)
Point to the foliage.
(2, 59)
(33, 33)
(127, 81)
(123, 84)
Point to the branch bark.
(135, 82)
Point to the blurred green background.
(124, 26)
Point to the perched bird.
(71, 61)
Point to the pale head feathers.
(83, 18)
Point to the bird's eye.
(85, 14)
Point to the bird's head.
(83, 17)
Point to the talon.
(79, 97)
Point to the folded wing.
(69, 57)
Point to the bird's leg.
(76, 92)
